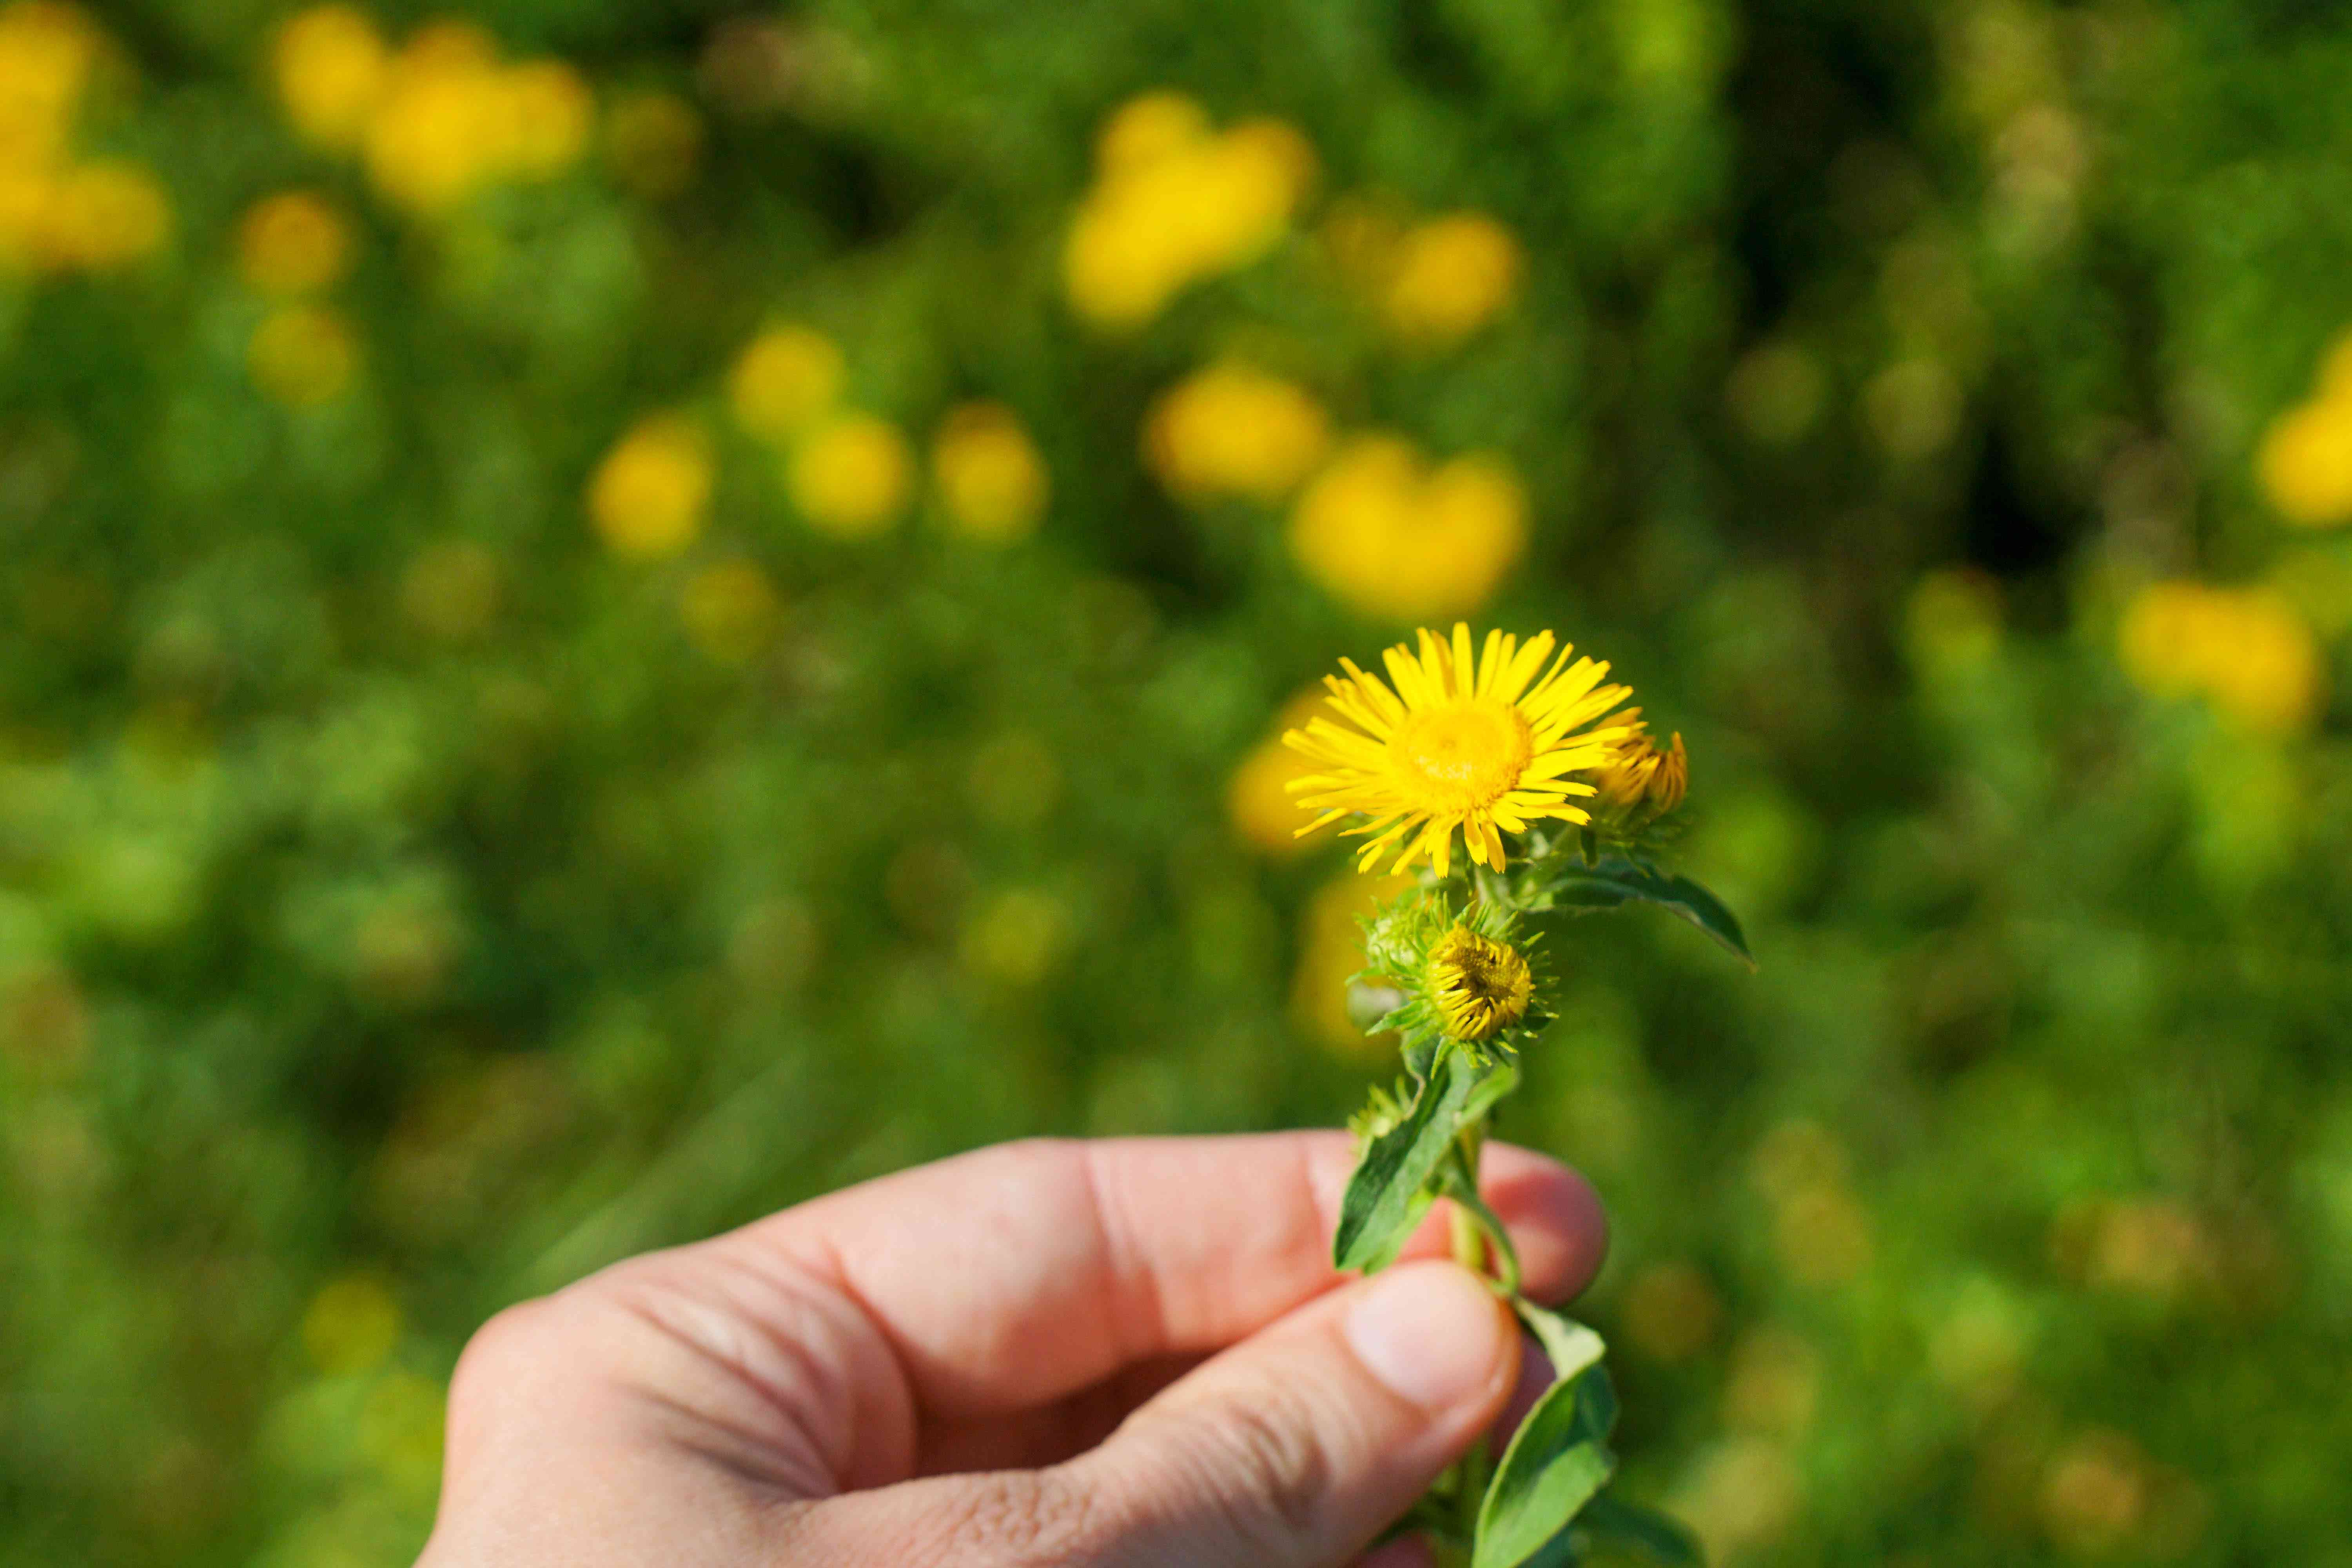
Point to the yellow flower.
(46, 51)
(1232, 430)
(789, 377)
(1146, 129)
(2245, 650)
(1484, 745)
(647, 497)
(2304, 462)
(850, 477)
(545, 113)
(330, 63)
(1174, 204)
(1330, 950)
(302, 356)
(1480, 987)
(652, 143)
(1643, 782)
(1389, 540)
(1258, 801)
(992, 480)
(291, 244)
(103, 215)
(1449, 278)
(443, 121)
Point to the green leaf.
(1568, 1345)
(1390, 1189)
(1616, 881)
(1622, 1527)
(1558, 1459)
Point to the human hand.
(1094, 1353)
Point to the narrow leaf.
(1391, 1190)
(1617, 881)
(1623, 1527)
(1568, 1345)
(1558, 1459)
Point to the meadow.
(617, 613)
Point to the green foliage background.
(2001, 1218)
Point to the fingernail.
(1430, 1331)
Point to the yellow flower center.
(1464, 755)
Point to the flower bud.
(1480, 987)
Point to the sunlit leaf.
(1558, 1459)
(1390, 1189)
(1616, 881)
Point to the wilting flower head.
(1483, 743)
(1479, 986)
(1645, 782)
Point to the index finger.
(1022, 1273)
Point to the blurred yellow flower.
(449, 118)
(647, 497)
(1483, 741)
(1230, 431)
(992, 480)
(1259, 801)
(1174, 202)
(547, 113)
(291, 244)
(729, 610)
(653, 142)
(1450, 276)
(1392, 541)
(46, 51)
(1330, 951)
(330, 63)
(2304, 462)
(103, 215)
(2245, 650)
(302, 356)
(788, 378)
(1146, 129)
(850, 477)
(434, 137)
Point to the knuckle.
(502, 1349)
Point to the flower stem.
(1470, 1250)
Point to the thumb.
(1298, 1446)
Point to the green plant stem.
(1470, 1251)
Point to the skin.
(1118, 1353)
